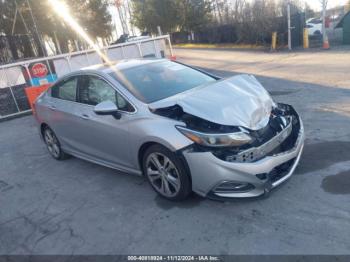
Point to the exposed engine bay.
(279, 135)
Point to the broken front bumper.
(214, 177)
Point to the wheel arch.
(143, 148)
(42, 128)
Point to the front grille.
(267, 143)
(233, 187)
(280, 171)
(256, 153)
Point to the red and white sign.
(39, 70)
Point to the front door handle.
(84, 116)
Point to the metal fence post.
(28, 73)
(87, 58)
(69, 64)
(48, 64)
(139, 47)
(123, 53)
(170, 46)
(12, 94)
(155, 48)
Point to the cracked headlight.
(216, 140)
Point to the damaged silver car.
(184, 129)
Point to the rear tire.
(53, 145)
(166, 173)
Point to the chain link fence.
(15, 77)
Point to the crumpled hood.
(236, 101)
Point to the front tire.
(53, 145)
(166, 173)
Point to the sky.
(316, 5)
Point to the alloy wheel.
(163, 174)
(52, 143)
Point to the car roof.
(121, 65)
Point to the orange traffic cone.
(326, 43)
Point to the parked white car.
(314, 29)
(314, 26)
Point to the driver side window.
(94, 90)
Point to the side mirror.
(107, 108)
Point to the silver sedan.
(184, 129)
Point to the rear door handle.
(52, 107)
(84, 116)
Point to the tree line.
(19, 17)
(243, 21)
(250, 21)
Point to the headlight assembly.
(216, 140)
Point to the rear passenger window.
(66, 90)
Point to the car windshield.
(158, 80)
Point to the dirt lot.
(75, 207)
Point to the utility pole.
(289, 28)
(324, 33)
